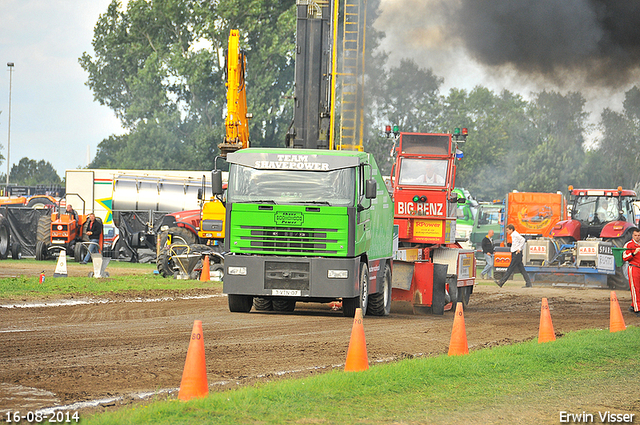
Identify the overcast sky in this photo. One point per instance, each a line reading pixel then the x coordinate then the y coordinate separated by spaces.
pixel 54 117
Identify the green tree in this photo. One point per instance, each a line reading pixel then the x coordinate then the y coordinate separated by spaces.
pixel 616 158
pixel 29 172
pixel 497 126
pixel 159 65
pixel 405 95
pixel 554 158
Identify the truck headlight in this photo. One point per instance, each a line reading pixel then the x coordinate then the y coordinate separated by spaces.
pixel 237 271
pixel 338 274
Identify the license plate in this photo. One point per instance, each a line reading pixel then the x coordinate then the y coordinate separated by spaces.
pixel 286 292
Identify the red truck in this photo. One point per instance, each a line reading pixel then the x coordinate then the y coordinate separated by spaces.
pixel 431 271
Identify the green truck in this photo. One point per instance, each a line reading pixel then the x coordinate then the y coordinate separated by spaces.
pixel 307 225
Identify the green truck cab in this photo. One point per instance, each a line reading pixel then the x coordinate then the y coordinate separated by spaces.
pixel 307 225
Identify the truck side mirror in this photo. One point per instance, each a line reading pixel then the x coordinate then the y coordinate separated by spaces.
pixel 199 194
pixel 371 189
pixel 216 182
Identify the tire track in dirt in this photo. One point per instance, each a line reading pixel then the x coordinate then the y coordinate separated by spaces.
pixel 88 352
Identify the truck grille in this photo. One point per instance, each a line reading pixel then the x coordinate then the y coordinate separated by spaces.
pixel 286 275
pixel 289 240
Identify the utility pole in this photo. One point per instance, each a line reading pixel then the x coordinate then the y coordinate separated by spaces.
pixel 10 65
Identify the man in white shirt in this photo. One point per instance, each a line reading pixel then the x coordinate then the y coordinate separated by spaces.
pixel 517 245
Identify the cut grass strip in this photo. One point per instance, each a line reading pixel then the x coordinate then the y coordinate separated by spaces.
pixel 29 287
pixel 523 383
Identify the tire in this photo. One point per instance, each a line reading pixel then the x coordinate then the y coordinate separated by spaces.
pixel 240 303
pixel 349 305
pixel 284 305
pixel 464 294
pixel 41 251
pixel 380 303
pixel 218 267
pixel 179 235
pixel 453 290
pixel 43 232
pixel 4 237
pixel 262 304
pixel 181 241
pixel 40 203
pixel 163 263
pixel 16 251
pixel 79 252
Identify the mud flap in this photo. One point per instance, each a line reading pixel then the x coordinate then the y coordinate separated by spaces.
pixel 439 281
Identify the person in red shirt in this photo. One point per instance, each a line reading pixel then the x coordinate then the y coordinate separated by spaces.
pixel 631 254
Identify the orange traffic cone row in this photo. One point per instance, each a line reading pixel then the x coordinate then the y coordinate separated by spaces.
pixel 357 359
pixel 194 377
pixel 616 322
pixel 458 344
pixel 205 276
pixel 546 333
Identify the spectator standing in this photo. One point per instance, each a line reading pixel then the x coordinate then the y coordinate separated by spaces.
pixel 94 231
pixel 487 250
pixel 631 254
pixel 517 245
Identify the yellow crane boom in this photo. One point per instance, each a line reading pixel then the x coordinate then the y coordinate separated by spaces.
pixel 237 120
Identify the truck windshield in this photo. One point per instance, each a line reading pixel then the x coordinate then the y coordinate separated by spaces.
pixel 335 187
pixel 423 172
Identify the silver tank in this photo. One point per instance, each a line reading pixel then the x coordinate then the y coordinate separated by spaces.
pixel 157 193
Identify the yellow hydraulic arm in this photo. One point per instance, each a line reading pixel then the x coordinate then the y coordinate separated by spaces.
pixel 237 121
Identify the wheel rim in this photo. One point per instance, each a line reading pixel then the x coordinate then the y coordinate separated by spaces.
pixel 4 240
pixel 364 285
pixel 387 292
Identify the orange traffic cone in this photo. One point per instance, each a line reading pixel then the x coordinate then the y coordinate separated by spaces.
pixel 616 322
pixel 546 333
pixel 458 344
pixel 194 377
pixel 205 276
pixel 357 359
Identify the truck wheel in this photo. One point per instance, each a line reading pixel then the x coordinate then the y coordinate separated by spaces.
pixel 380 303
pixel 218 268
pixel 349 305
pixel 454 294
pixel 41 251
pixel 464 294
pixel 284 305
pixel 79 252
pixel 4 237
pixel 16 251
pixel 43 233
pixel 240 303
pixel 262 304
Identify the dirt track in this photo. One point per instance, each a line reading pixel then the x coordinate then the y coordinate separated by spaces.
pixel 58 355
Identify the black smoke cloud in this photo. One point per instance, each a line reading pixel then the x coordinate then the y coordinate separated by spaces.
pixel 597 41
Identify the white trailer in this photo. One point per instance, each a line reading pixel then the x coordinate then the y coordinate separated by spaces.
pixel 102 191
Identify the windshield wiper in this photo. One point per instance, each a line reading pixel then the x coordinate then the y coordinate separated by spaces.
pixel 312 202
pixel 266 201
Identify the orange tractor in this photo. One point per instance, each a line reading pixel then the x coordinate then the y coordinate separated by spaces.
pixel 62 231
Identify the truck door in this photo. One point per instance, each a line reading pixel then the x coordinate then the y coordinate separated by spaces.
pixel 363 215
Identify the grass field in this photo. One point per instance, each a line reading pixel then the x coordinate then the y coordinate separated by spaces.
pixel 142 278
pixel 587 372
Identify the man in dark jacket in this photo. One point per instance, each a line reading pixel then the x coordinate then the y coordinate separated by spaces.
pixel 487 250
pixel 94 231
